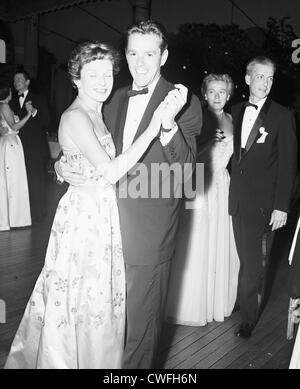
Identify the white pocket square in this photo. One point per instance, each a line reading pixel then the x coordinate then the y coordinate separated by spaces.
pixel 262 138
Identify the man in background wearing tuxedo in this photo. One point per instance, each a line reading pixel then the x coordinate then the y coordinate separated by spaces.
pixel 263 172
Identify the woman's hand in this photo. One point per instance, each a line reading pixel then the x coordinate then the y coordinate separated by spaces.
pixel 29 107
pixel 219 135
pixel 173 104
pixel 70 174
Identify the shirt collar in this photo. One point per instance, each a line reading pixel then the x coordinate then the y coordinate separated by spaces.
pixel 25 93
pixel 150 87
pixel 260 103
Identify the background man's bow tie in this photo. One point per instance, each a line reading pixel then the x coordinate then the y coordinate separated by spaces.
pixel 21 95
pixel 248 104
pixel 132 93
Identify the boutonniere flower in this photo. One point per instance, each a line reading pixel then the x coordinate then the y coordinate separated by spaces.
pixel 263 135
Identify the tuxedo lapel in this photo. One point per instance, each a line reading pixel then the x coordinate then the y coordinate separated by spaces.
pixel 28 98
pixel 121 115
pixel 238 134
pixel 257 124
pixel 158 95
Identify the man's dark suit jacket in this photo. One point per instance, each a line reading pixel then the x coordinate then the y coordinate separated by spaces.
pixel 263 176
pixel 148 225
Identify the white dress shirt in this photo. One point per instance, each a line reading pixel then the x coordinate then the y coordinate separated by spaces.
pixel 22 98
pixel 135 111
pixel 249 118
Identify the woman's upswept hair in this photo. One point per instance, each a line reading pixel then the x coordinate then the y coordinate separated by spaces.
pixel 4 91
pixel 90 51
pixel 217 77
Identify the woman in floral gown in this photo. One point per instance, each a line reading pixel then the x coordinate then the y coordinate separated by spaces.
pixel 204 274
pixel 75 317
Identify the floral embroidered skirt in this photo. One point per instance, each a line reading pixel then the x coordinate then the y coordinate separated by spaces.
pixel 75 318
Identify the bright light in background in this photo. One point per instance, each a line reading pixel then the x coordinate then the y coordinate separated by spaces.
pixel 2 51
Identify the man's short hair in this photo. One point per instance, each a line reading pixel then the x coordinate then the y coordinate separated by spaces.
pixel 24 72
pixel 262 60
pixel 146 27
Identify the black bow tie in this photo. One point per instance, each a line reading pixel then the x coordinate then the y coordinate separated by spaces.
pixel 132 92
pixel 248 104
pixel 21 95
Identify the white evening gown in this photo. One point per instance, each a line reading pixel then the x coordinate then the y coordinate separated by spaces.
pixel 204 273
pixel 75 318
pixel 295 359
pixel 14 197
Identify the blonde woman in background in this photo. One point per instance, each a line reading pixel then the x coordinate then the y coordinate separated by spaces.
pixel 204 275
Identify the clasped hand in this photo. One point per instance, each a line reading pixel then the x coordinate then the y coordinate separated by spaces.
pixel 172 105
pixel 29 108
pixel 69 174
pixel 219 135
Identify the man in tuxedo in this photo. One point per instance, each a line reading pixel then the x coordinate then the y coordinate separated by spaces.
pixel 148 225
pixel 262 178
pixel 33 137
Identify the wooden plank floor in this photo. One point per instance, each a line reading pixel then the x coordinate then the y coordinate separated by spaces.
pixel 213 346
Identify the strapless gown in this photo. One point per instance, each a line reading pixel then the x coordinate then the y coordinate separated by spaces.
pixel 75 318
pixel 14 196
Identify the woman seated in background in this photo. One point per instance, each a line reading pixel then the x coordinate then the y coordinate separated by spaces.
pixel 204 274
pixel 14 197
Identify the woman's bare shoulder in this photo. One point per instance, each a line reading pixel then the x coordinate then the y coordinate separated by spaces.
pixel 74 117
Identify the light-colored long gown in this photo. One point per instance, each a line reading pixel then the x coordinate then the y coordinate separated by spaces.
pixel 204 273
pixel 14 197
pixel 75 318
